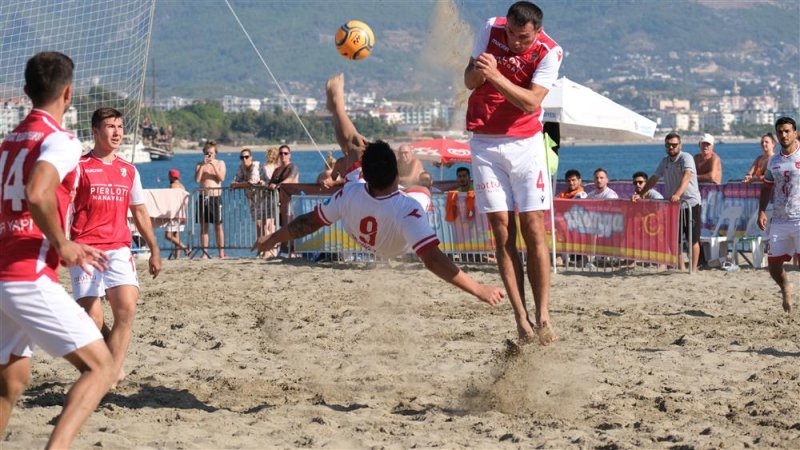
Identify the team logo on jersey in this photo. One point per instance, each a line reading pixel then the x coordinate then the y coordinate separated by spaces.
pixel 797 165
pixel 414 213
pixel 124 172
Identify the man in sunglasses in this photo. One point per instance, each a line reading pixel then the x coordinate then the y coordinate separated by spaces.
pixel 680 185
pixel 639 180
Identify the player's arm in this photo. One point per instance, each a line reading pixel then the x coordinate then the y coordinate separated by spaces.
pixel 40 194
pixel 527 99
pixel 297 228
pixel 764 198
pixel 141 218
pixel 441 266
pixel 473 78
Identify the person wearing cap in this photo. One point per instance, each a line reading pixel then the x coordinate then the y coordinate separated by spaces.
pixel 708 163
pixel 174 229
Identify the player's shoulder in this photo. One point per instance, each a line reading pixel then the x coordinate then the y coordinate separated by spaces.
pixel 120 162
pixel 63 140
pixel 546 41
pixel 496 22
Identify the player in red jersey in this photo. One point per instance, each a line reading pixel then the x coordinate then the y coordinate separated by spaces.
pixel 37 163
pixel 105 188
pixel 513 65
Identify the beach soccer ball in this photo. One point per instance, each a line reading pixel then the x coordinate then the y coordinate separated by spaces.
pixel 354 40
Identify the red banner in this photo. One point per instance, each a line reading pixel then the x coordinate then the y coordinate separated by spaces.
pixel 644 231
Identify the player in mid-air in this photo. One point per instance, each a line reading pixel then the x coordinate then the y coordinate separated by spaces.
pixel 106 187
pixel 37 170
pixel 383 219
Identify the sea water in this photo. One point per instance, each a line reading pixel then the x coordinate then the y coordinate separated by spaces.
pixel 620 161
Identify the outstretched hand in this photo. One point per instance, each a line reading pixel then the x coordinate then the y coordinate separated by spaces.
pixel 263 244
pixel 83 256
pixel 490 294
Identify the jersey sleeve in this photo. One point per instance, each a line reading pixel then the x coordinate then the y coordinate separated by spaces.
pixel 547 71
pixel 330 211
pixel 482 38
pixel 416 229
pixel 63 151
pixel 137 193
pixel 687 163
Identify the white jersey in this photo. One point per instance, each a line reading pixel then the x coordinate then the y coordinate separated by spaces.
pixel 605 194
pixel 387 225
pixel 784 173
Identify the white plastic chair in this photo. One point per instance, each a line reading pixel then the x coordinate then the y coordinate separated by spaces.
pixel 729 217
pixel 754 241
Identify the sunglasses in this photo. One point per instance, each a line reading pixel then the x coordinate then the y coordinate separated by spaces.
pixel 243 157
pixel 638 182
pixel 671 145
pixel 283 153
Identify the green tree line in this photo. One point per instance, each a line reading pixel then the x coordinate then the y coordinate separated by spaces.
pixel 208 121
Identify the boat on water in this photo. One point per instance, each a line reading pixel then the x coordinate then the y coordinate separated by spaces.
pixel 160 152
pixel 136 154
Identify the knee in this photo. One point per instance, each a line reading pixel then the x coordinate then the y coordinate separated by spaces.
pixel 12 387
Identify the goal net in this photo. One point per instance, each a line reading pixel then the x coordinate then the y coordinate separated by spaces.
pixel 108 41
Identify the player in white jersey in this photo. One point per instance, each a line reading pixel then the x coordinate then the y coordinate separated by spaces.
pixel 37 162
pixel 384 220
pixel 782 185
pixel 107 187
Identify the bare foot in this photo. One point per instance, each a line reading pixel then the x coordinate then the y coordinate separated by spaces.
pixel 546 334
pixel 120 377
pixel 334 89
pixel 787 297
pixel 525 333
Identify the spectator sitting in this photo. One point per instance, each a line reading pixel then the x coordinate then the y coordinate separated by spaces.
pixel 426 180
pixel 464 180
pixel 602 191
pixel 408 166
pixel 639 180
pixel 759 168
pixel 708 163
pixel 574 186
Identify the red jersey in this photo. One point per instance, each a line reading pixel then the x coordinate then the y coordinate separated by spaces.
pixel 104 191
pixel 25 253
pixel 488 111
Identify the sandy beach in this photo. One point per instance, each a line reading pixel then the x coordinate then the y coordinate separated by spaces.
pixel 250 354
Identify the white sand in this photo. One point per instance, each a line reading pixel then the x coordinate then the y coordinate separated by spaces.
pixel 247 354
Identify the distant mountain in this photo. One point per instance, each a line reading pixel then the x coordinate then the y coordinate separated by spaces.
pixel 199 50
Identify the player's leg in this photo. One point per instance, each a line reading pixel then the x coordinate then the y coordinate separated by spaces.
pixel 14 378
pixel 97 375
pixel 531 192
pixel 346 134
pixel 534 235
pixel 494 198
pixel 782 248
pixel 122 300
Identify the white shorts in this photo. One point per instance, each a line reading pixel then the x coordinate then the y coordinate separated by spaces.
pixel 41 313
pixel 121 272
pixel 784 239
pixel 510 173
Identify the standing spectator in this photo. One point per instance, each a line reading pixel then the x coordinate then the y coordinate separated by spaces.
pixel 175 226
pixel 783 172
pixel 40 157
pixel 759 168
pixel 325 177
pixel 100 219
pixel 248 177
pixel 574 186
pixel 286 172
pixel 271 162
pixel 707 162
pixel 639 180
pixel 464 180
pixel 408 166
pixel 210 173
pixel 601 189
pixel 512 67
pixel 680 184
